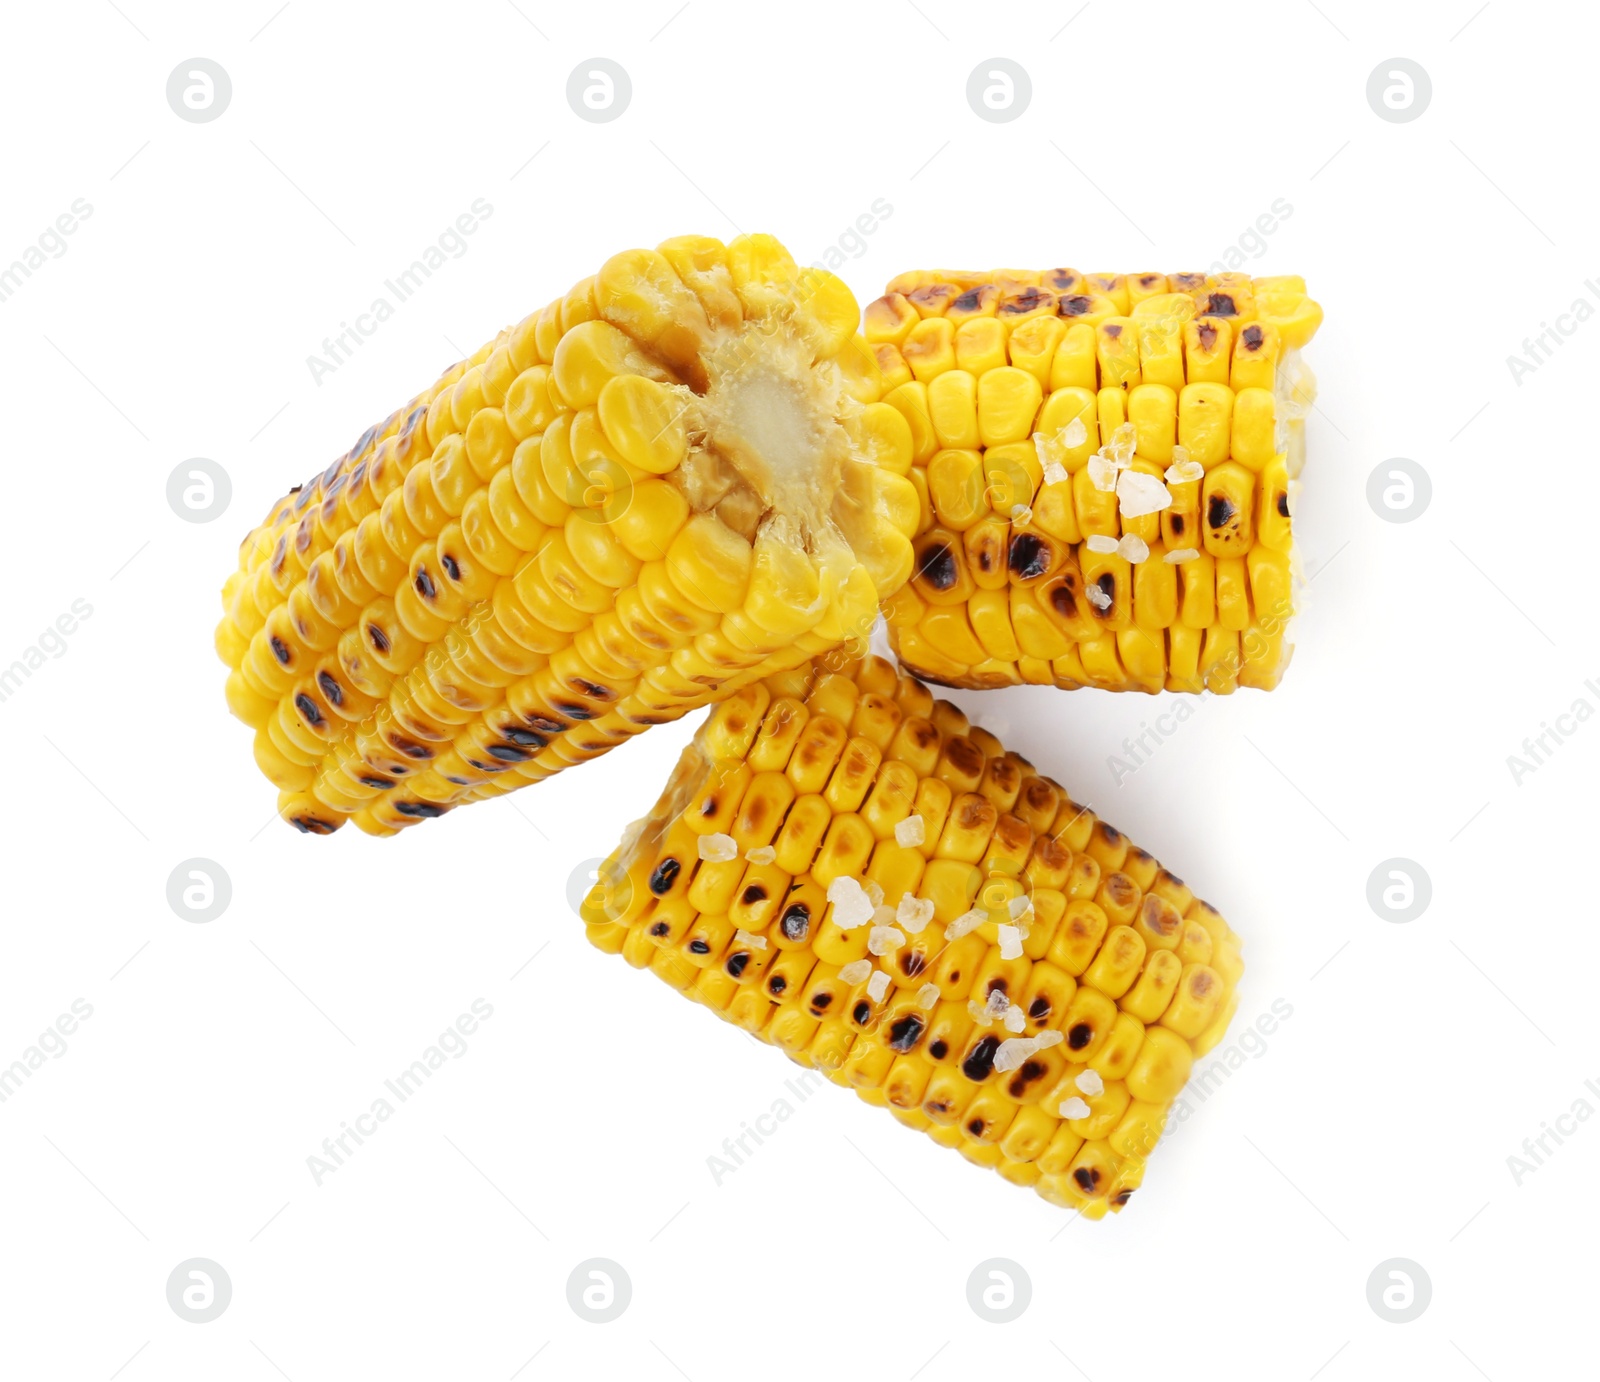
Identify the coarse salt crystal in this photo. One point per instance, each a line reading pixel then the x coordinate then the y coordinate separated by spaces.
pixel 1055 473
pixel 998 1002
pixel 743 937
pixel 1103 473
pixel 1074 1108
pixel 1133 549
pixel 882 940
pixel 1089 1082
pixel 1010 941
pixel 910 832
pixel 1015 1019
pixel 877 986
pixel 875 892
pixel 851 905
pixel 978 1013
pixel 914 913
pixel 1074 433
pixel 1181 554
pixel 1139 494
pixel 1182 472
pixel 763 856
pixel 1099 542
pixel 1050 1038
pixel 1124 441
pixel 1020 906
pixel 1021 515
pixel 718 849
pixel 927 996
pixel 965 923
pixel 855 971
pixel 1097 597
pixel 1010 1054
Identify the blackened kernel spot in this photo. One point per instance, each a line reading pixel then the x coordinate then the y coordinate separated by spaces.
pixel 411 749
pixel 1220 510
pixel 459 781
pixel 862 1013
pixel 1075 305
pixel 526 737
pixel 509 753
pixel 424 584
pixel 308 710
pixel 1148 280
pixel 820 1001
pixel 1112 330
pixel 1029 557
pixel 969 301
pixel 1087 1177
pixel 575 710
pixel 796 923
pixel 1121 1197
pixel 543 724
pixel 313 825
pixel 424 810
pixel 1107 586
pixel 452 568
pixel 1208 336
pixel 1028 300
pixel 1080 1036
pixel 937 566
pixel 776 984
pixel 593 688
pixel 373 780
pixel 997 985
pixel 1177 523
pixel 330 688
pixel 710 806
pixel 378 638
pixel 1039 1009
pixel 753 894
pixel 1283 504
pixel 664 873
pixel 698 947
pixel 912 963
pixel 938 1049
pixel 660 929
pixel 979 1064
pixel 1253 337
pixel 1110 833
pixel 905 1032
pixel 976 1126
pixel 1030 1071
pixel 1221 305
pixel 1062 602
pixel 736 964
pixel 280 650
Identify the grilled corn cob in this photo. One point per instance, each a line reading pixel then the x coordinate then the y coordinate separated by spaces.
pixel 674 480
pixel 844 867
pixel 1107 467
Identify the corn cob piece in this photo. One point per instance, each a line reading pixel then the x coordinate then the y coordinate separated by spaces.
pixel 674 480
pixel 847 869
pixel 1107 466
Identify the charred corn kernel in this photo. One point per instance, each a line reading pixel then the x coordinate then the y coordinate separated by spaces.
pixel 1172 377
pixel 673 482
pixel 967 981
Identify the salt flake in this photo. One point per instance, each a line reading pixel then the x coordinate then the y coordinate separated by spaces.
pixel 718 849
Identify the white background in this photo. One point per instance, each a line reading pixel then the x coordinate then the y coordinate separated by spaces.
pixel 1378 1120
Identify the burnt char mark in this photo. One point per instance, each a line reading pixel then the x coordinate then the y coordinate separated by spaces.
pixel 1079 1036
pixel 1027 1073
pixel 509 753
pixel 543 724
pixel 937 566
pixel 1039 1009
pixel 1029 557
pixel 1107 586
pixel 1112 329
pixel 423 810
pixel 861 1014
pixel 280 650
pixel 1208 335
pixel 576 710
pixel 662 876
pixel 526 737
pixel 661 928
pixel 969 301
pixel 378 638
pixel 905 1032
pixel 1110 833
pixel 796 921
pixel 313 825
pixel 452 568
pixel 979 1064
pixel 1062 602
pixel 1087 1178
pixel 330 688
pixel 1121 1198
pixel 938 1050
pixel 1283 504
pixel 975 1126
pixel 753 894
pixel 1220 305
pixel 699 947
pixel 424 584
pixel 736 964
pixel 776 984
pixel 593 689
pixel 308 710
pixel 373 780
pixel 912 963
pixel 1220 511
pixel 820 1002
pixel 1075 305
pixel 1253 337
pixel 410 748
pixel 1028 300
pixel 1176 519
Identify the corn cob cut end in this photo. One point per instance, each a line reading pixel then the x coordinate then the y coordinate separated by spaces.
pixel 1107 466
pixel 674 480
pixel 846 869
